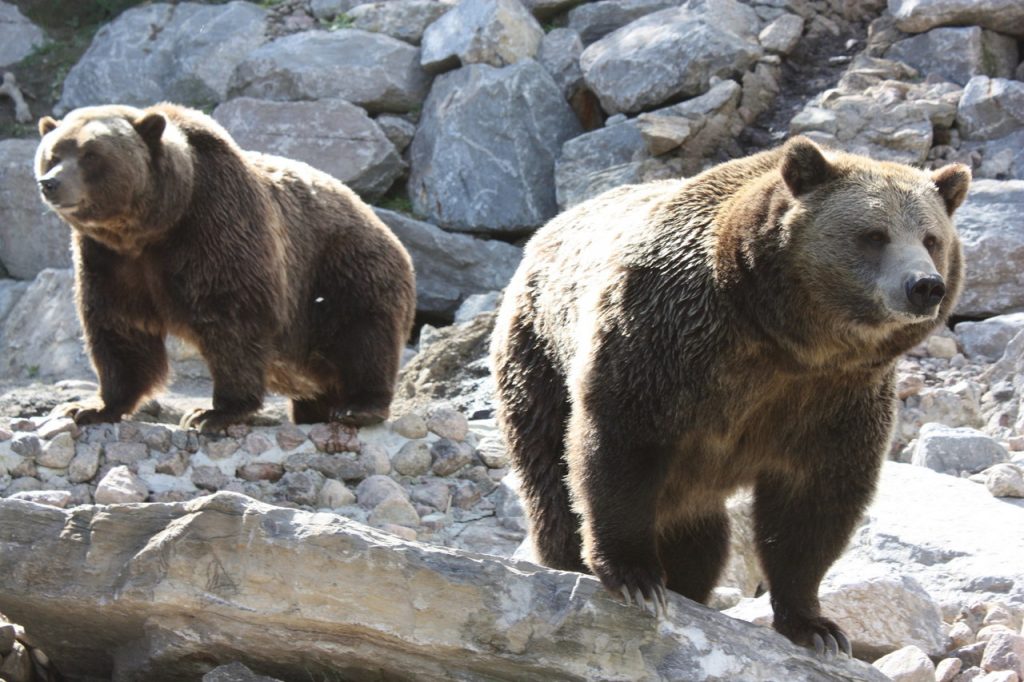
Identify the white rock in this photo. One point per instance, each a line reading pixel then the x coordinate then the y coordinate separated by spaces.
pixel 119 486
pixel 85 463
pixel 58 452
pixel 908 664
pixel 941 347
pixel 495 32
pixel 1004 480
pixel 1005 651
pixel 51 498
pixel 782 34
pixel 375 489
pixel 394 510
pixel 947 669
pixel 447 422
pixel 413 459
pixel 987 339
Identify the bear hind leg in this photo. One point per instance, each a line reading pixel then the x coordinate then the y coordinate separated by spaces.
pixel 533 411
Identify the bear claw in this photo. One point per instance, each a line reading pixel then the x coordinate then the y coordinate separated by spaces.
pixel 210 421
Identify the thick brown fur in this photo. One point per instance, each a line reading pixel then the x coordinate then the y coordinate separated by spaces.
pixel 279 274
pixel 663 344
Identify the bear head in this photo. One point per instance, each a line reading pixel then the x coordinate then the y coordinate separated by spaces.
pixel 106 171
pixel 873 243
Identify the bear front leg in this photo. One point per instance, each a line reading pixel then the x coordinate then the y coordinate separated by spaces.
pixel 129 364
pixel 615 481
pixel 803 521
pixel 238 368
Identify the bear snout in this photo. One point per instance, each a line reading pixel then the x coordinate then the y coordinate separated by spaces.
pixel 924 292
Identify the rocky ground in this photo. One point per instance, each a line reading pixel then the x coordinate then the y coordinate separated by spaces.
pixel 442 102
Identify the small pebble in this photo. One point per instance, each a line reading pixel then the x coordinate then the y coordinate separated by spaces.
pixel 447 422
pixel 410 426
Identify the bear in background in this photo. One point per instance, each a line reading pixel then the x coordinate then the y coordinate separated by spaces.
pixel 279 274
pixel 663 344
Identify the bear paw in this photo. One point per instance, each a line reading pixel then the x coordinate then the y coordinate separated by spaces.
pixel 211 421
pixel 88 413
pixel 645 586
pixel 355 416
pixel 827 638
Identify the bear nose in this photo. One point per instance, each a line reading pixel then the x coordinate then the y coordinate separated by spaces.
pixel 925 292
pixel 49 185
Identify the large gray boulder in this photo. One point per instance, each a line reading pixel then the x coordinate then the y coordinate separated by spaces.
pixel 484 153
pixel 955 450
pixel 560 54
pixel 41 336
pixel 32 237
pixel 18 35
pixel 1001 158
pixel 990 108
pixel 371 70
pixel 183 52
pixel 595 20
pixel 330 135
pixel 167 591
pixel 958 54
pixel 991 226
pixel 671 54
pixel 451 267
pixel 599 160
pixel 915 16
pixel 987 339
pixel 402 19
pixel 495 32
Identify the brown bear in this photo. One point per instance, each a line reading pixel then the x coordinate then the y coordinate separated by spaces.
pixel 279 274
pixel 663 344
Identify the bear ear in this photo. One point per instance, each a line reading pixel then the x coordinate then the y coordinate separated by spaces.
pixel 804 167
pixel 46 124
pixel 953 181
pixel 150 127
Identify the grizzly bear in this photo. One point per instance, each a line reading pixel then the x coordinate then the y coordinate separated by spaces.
pixel 663 344
pixel 279 274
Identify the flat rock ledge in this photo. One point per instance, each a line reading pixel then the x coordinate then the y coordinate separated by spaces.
pixel 169 591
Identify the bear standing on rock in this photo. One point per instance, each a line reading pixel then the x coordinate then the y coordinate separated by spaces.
pixel 663 344
pixel 279 274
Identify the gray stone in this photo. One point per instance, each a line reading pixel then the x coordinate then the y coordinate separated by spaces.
pixel 433 493
pixel 120 486
pixel 32 237
pixel 544 9
pixel 380 72
pixel 26 445
pixel 990 108
pixel 125 453
pixel 51 498
pixel 235 672
pixel 375 489
pixel 991 227
pixel 700 125
pixel 952 450
pixel 41 336
pixel 595 20
pixel 449 456
pixel 1001 158
pixel 394 510
pixel 329 9
pixel 410 425
pixel 493 453
pixel 10 292
pixel 397 129
pixel 447 422
pixel 702 39
pixel 402 19
pixel 483 156
pixel 878 116
pixel 58 452
pixel 958 54
pixel 85 463
pixel 212 569
pixel 495 32
pixel 454 368
pixel 183 52
pixel 209 477
pixel 333 136
pixel 477 304
pixel 412 459
pixel 335 494
pixel 560 52
pixel 374 459
pixel 290 437
pixel 451 267
pixel 987 339
pixel 782 34
pixel 915 16
pixel 18 36
pixel 301 487
pixel 582 167
pixel 908 664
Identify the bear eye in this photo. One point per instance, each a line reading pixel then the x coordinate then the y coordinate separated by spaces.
pixel 89 155
pixel 930 242
pixel 876 237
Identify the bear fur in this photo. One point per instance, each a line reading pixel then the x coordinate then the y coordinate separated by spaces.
pixel 663 344
pixel 279 274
